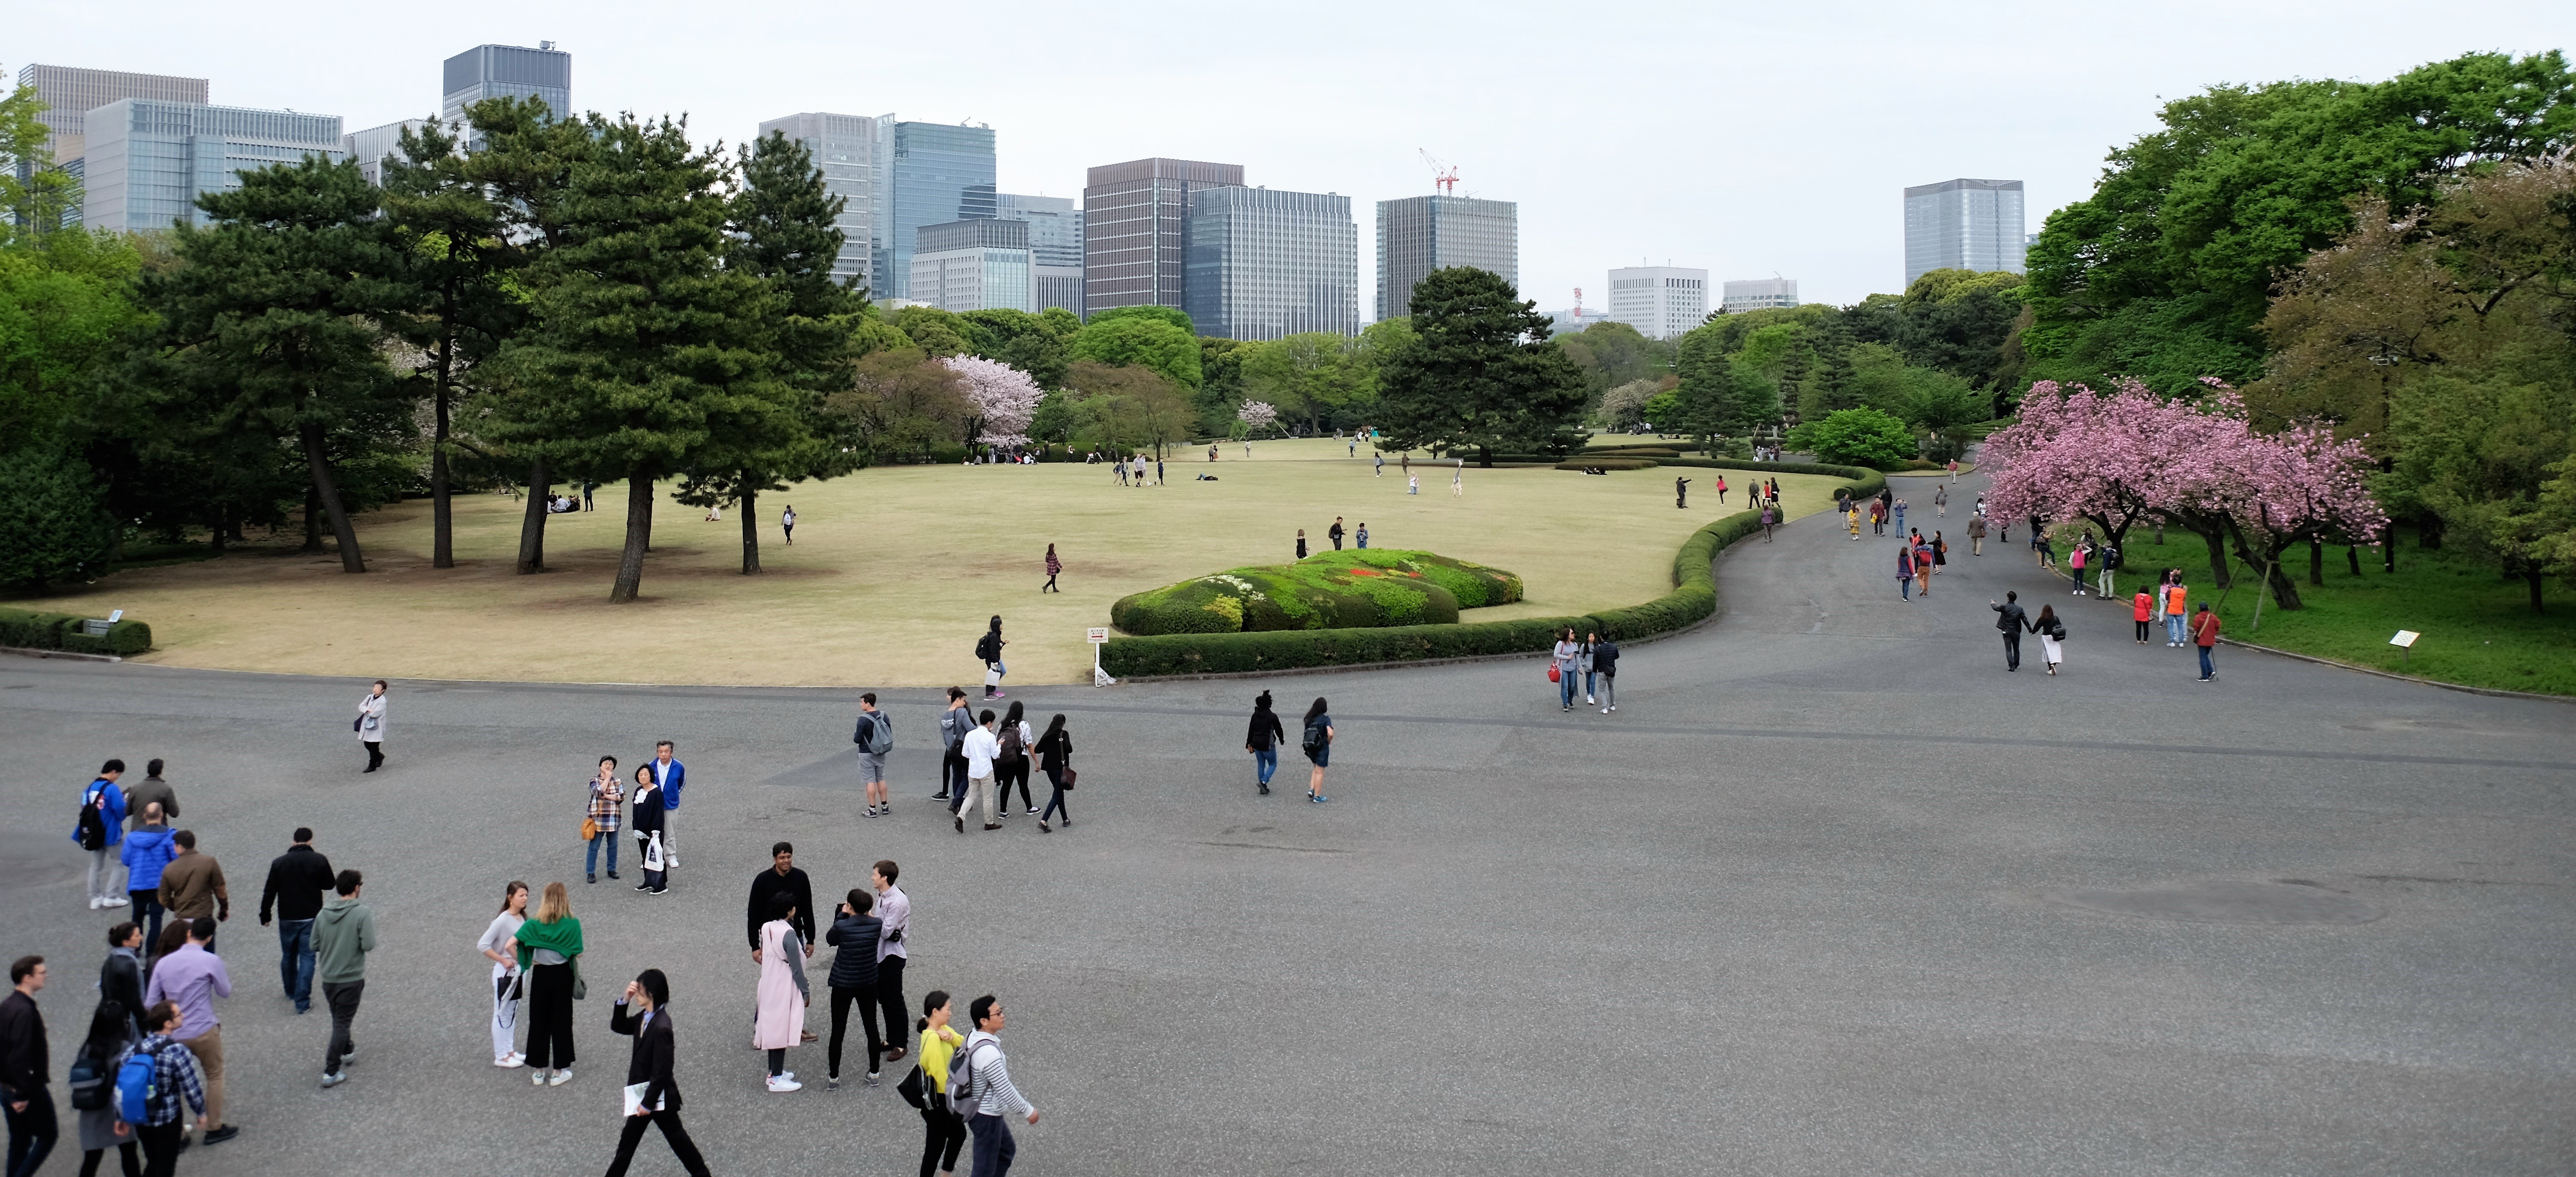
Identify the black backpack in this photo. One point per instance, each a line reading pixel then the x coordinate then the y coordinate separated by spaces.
pixel 93 1081
pixel 1012 753
pixel 988 647
pixel 1313 738
pixel 92 822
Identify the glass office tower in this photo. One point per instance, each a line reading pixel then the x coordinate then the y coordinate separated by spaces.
pixel 147 161
pixel 1133 220
pixel 844 149
pixel 1419 234
pixel 507 71
pixel 373 146
pixel 1055 247
pixel 1963 225
pixel 973 265
pixel 1262 264
pixel 69 94
pixel 926 174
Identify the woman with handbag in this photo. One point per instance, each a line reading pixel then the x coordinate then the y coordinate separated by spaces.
pixel 549 952
pixel 506 977
pixel 1562 671
pixel 1055 758
pixel 370 725
pixel 2052 636
pixel 927 1087
pixel 600 821
pixel 648 831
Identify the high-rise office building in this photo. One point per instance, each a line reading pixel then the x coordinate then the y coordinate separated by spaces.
pixel 975 265
pixel 1757 293
pixel 1419 234
pixel 1659 301
pixel 926 174
pixel 1135 217
pixel 1262 264
pixel 844 147
pixel 507 71
pixel 1055 246
pixel 373 146
pixel 70 93
pixel 1963 225
pixel 147 161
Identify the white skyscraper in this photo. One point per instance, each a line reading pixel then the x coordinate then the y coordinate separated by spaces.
pixel 844 149
pixel 1659 301
pixel 1963 225
pixel 1758 293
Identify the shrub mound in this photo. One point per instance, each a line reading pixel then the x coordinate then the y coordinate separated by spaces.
pixel 1331 590
pixel 29 630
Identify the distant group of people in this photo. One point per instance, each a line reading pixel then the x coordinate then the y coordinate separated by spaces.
pixel 1592 660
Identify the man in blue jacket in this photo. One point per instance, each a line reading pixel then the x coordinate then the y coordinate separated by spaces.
pixel 99 828
pixel 670 774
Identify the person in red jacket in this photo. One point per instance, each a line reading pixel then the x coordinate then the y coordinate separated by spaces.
pixel 2204 633
pixel 2140 608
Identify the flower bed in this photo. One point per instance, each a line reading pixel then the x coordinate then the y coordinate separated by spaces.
pixel 1331 590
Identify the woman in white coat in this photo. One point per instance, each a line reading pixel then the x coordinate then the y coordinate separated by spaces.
pixel 371 725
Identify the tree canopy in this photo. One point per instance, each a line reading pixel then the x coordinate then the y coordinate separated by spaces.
pixel 1480 372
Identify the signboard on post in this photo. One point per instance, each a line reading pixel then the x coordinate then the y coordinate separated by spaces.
pixel 1099 636
pixel 2405 643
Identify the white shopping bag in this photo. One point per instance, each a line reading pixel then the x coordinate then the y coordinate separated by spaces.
pixel 653 861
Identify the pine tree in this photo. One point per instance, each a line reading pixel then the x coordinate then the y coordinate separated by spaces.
pixel 1479 373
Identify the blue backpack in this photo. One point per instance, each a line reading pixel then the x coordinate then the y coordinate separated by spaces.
pixel 135 1079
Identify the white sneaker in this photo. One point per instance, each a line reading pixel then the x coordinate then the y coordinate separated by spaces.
pixel 781 1085
pixel 559 1078
pixel 1589 700
pixel 114 901
pixel 509 1060
pixel 96 902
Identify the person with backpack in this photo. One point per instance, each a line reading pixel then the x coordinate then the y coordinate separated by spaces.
pixel 370 725
pixel 853 936
pixel 1317 743
pixel 1262 739
pixel 294 895
pixel 649 1067
pixel 93 1090
pixel 944 1133
pixel 1055 759
pixel 1605 658
pixel 980 1088
pixel 98 827
pixel 1011 764
pixel 2052 637
pixel 25 1069
pixel 980 748
pixel 157 1089
pixel 343 935
pixel 874 735
pixel 120 976
pixel 988 649
pixel 954 723
pixel 146 853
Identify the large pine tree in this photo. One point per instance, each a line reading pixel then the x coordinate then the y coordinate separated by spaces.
pixel 1480 372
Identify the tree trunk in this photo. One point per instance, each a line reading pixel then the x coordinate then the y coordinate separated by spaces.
pixel 2316 561
pixel 639 531
pixel 2352 556
pixel 750 527
pixel 323 489
pixel 2428 533
pixel 1485 457
pixel 442 518
pixel 532 522
pixel 2285 590
pixel 2534 577
pixel 215 535
pixel 312 519
pixel 2217 558
pixel 2388 546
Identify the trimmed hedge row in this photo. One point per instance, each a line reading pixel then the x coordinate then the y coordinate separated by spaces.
pixel 1331 590
pixel 29 630
pixel 1612 462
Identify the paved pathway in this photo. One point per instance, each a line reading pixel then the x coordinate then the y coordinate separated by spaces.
pixel 1799 907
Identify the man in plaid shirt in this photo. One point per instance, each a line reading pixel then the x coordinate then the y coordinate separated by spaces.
pixel 174 1084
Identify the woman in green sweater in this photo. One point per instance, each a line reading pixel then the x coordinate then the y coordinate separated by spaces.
pixel 549 952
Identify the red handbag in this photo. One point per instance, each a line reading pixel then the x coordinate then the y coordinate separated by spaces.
pixel 1552 673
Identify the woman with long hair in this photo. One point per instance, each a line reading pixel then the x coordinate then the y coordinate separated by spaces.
pixel 174 936
pixel 601 818
pixel 548 948
pixel 505 972
pixel 1016 738
pixel 1262 739
pixel 644 1011
pixel 2052 636
pixel 1569 656
pixel 111 1033
pixel 1054 568
pixel 944 1133
pixel 1055 758
pixel 779 1018
pixel 1318 742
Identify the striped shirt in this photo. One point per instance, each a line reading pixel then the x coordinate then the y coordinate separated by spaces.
pixel 990 1074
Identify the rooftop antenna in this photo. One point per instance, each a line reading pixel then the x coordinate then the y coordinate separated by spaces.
pixel 1444 176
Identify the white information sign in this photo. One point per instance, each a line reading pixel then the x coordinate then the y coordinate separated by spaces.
pixel 2405 637
pixel 1099 634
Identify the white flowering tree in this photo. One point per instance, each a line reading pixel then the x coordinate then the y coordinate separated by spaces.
pixel 1257 417
pixel 1002 399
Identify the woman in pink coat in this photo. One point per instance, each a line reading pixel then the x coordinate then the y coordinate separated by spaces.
pixel 783 993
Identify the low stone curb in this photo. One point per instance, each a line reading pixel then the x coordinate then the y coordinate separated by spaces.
pixel 75 655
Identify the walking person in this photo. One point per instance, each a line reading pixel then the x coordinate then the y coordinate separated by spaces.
pixel 982 746
pixel 1770 519
pixel 2047 551
pixel 1681 493
pixel 192 887
pixel 151 790
pixel 2175 596
pixel 1011 764
pixel 1977 535
pixel 874 735
pixel 506 977
pixel 894 950
pixel 988 1084
pixel 1941 501
pixel 1301 543
pixel 99 828
pixel 1054 568
pixel 1317 742
pixel 2011 621
pixel 2141 608
pixel 548 950
pixel 1905 572
pixel 192 978
pixel 601 817
pixel 111 1036
pixel 1413 484
pixel 1561 667
pixel 944 1132
pixel 1055 759
pixel 787 524
pixel 148 851
pixel 297 881
pixel 26 1070
pixel 120 976
pixel 1334 533
pixel 853 978
pixel 643 1012
pixel 1605 656
pixel 175 1093
pixel 2204 634
pixel 1922 564
pixel 1940 552
pixel 370 725
pixel 1458 480
pixel 1381 463
pixel 651 853
pixel 1362 536
pixel 1262 739
pixel 783 992
pixel 672 776
pixel 2052 636
pixel 343 936
pixel 1583 660
pixel 989 649
pixel 1721 490
pixel 954 723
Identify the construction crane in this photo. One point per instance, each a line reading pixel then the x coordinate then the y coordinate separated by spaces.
pixel 1444 176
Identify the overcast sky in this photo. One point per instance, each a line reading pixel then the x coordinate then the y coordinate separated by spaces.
pixel 1747 140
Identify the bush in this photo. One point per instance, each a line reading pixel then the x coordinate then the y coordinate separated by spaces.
pixel 1865 437
pixel 1332 590
pixel 121 639
pixel 27 629
pixel 52 527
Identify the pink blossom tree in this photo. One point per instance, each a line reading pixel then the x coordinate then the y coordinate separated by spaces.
pixel 1257 416
pixel 2081 454
pixel 1001 399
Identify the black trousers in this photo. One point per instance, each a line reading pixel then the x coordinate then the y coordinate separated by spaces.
pixel 2012 649
pixel 2142 629
pixel 890 999
pixel 549 1014
pixel 375 753
pixel 128 1157
pixel 342 997
pixel 161 1146
pixel 32 1132
pixel 1055 804
pixel 842 997
pixel 681 1146
pixel 952 769
pixel 1016 774
pixel 943 1134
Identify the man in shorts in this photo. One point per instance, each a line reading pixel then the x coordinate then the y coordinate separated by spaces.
pixel 874 737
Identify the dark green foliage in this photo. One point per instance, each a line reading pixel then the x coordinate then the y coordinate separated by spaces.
pixel 1480 372
pixel 51 525
pixel 1857 436
pixel 1331 590
pixel 123 639
pixel 940 333
pixel 1174 316
pixel 1612 462
pixel 25 629
pixel 1122 340
pixel 1040 345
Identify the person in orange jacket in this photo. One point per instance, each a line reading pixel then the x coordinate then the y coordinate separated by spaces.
pixel 2139 607
pixel 2175 615
pixel 2204 633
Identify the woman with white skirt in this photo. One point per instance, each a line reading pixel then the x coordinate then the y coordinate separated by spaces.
pixel 505 973
pixel 2052 636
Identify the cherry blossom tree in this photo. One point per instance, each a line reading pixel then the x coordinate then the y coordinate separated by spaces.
pixel 2081 454
pixel 1257 416
pixel 1002 398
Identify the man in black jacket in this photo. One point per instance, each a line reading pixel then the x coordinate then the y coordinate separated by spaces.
pixel 1605 661
pixel 782 878
pixel 297 881
pixel 854 935
pixel 24 1067
pixel 2011 621
pixel 650 1064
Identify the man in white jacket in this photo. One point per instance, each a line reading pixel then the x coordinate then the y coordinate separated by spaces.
pixel 981 747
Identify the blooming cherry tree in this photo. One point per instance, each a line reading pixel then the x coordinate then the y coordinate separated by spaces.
pixel 1257 416
pixel 1004 399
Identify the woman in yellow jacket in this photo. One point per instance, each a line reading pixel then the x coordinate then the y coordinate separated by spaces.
pixel 946 1133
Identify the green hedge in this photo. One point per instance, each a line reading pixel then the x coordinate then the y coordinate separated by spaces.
pixel 29 630
pixel 1607 463
pixel 1331 590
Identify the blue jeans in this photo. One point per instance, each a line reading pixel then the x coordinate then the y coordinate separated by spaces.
pixel 590 856
pixel 295 961
pixel 1565 685
pixel 2206 670
pixel 994 1147
pixel 2173 627
pixel 1265 761
pixel 1905 588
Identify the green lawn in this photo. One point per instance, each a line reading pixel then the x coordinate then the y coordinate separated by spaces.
pixel 2478 628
